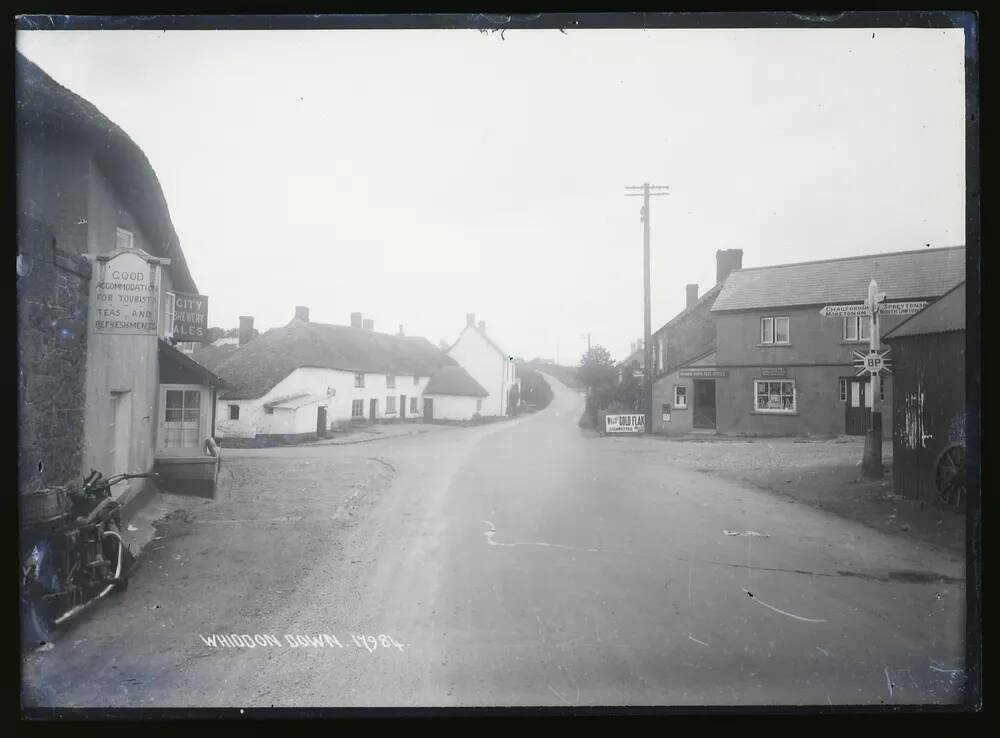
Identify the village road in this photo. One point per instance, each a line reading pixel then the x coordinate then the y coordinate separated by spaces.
pixel 522 563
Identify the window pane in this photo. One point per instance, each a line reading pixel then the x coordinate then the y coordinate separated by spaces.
pixel 767 330
pixel 192 398
pixel 850 329
pixel 863 329
pixel 781 330
pixel 173 415
pixel 175 398
pixel 191 415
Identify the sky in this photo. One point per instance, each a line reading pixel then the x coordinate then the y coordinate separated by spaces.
pixel 419 175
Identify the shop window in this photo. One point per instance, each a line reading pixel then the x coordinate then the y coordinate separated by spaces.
pixel 774 330
pixel 774 397
pixel 680 396
pixel 182 418
pixel 234 412
pixel 358 409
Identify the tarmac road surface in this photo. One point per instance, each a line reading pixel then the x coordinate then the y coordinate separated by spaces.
pixel 521 563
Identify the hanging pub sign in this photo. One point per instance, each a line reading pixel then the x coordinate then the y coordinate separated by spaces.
pixel 127 294
pixel 704 373
pixel 625 423
pixel 190 317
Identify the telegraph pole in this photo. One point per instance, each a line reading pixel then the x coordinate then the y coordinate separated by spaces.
pixel 648 191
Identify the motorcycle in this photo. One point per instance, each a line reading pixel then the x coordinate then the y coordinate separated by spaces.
pixel 72 553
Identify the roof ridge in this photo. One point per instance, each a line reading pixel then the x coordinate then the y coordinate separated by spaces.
pixel 851 258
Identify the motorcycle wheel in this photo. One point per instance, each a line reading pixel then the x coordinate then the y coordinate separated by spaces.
pixel 111 545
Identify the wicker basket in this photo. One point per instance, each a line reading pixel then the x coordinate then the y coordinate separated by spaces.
pixel 44 506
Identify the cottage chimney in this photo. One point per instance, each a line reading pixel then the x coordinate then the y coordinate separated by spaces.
pixel 355 320
pixel 692 295
pixel 401 330
pixel 302 313
pixel 727 261
pixel 470 319
pixel 246 329
pixel 368 324
pixel 482 326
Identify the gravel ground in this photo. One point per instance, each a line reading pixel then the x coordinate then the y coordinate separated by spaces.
pixel 824 473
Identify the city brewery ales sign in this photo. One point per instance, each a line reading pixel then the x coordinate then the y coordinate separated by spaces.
pixel 127 299
pixel 190 317
pixel 624 423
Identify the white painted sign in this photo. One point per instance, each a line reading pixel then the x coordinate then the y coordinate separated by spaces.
pixel 127 297
pixel 901 308
pixel 625 423
pixel 861 308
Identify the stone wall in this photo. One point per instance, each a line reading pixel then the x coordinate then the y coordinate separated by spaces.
pixel 53 293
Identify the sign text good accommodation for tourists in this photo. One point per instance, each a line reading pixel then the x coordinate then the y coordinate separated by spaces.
pixel 704 373
pixel 127 296
pixel 190 317
pixel 625 423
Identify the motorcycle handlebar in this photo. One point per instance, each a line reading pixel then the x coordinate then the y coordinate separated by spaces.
pixel 100 481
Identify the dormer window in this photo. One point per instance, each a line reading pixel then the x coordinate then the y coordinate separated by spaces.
pixel 123 239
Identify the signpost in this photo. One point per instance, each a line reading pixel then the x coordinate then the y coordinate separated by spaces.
pixel 635 423
pixel 875 362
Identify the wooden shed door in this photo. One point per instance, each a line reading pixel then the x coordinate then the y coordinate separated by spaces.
pixel 321 420
pixel 859 407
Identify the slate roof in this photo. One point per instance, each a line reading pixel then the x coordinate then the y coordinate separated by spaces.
pixel 46 108
pixel 944 315
pixel 910 275
pixel 679 318
pixel 186 362
pixel 454 380
pixel 252 370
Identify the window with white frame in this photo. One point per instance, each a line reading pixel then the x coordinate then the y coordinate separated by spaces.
pixel 774 396
pixel 413 406
pixel 358 409
pixel 123 239
pixel 390 405
pixel 774 329
pixel 234 412
pixel 680 395
pixel 857 328
pixel 359 379
pixel 168 323
pixel 390 382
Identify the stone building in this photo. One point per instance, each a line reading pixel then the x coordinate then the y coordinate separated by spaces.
pixel 90 390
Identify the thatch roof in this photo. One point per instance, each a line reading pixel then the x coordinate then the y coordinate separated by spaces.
pixel 211 356
pixel 454 380
pixel 254 369
pixel 45 108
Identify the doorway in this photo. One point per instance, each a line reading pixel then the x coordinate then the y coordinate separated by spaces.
pixel 858 407
pixel 372 409
pixel 402 407
pixel 121 431
pixel 321 421
pixel 428 409
pixel 704 404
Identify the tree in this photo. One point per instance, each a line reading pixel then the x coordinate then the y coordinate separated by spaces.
pixel 597 369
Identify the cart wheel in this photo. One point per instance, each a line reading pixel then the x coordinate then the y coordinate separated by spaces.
pixel 949 476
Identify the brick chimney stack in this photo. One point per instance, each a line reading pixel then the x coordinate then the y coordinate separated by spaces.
pixel 726 261
pixel 368 324
pixel 246 329
pixel 355 320
pixel 401 330
pixel 692 296
pixel 302 313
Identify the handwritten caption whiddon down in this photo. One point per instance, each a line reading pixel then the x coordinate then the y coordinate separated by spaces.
pixel 370 643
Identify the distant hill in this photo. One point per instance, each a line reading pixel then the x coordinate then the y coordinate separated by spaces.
pixel 565 374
